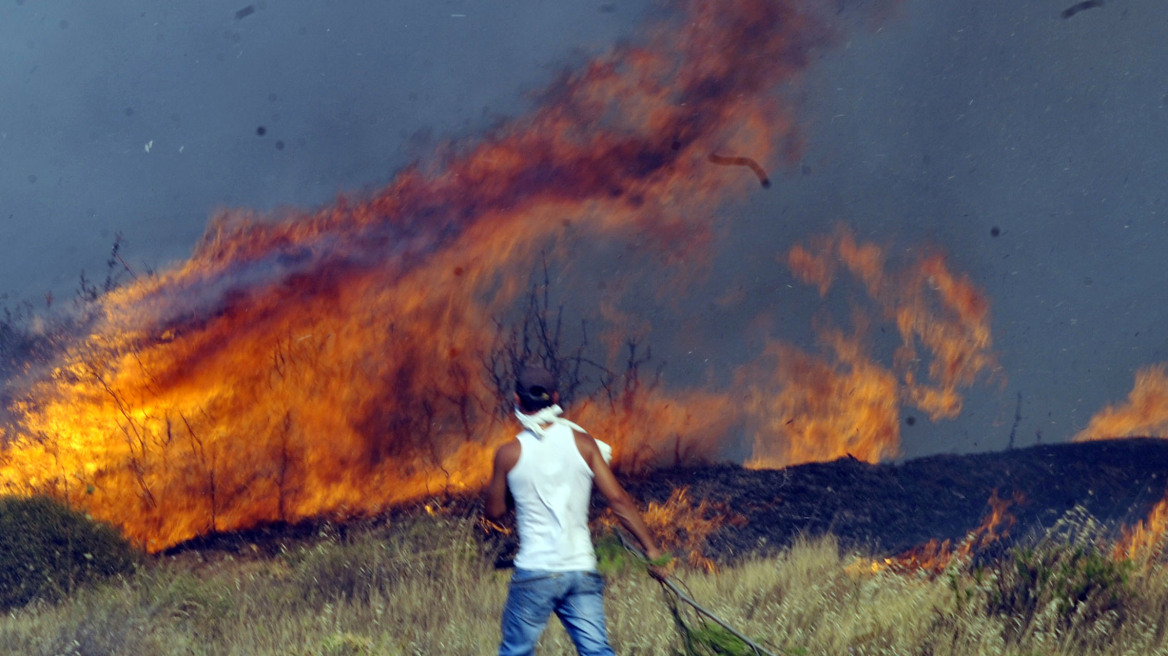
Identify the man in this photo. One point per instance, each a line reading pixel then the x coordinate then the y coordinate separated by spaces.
pixel 549 469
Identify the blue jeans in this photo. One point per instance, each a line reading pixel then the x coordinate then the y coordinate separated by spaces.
pixel 575 597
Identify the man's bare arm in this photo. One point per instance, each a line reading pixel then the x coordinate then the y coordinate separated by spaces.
pixel 495 504
pixel 619 500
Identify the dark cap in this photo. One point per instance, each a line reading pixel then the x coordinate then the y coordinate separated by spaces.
pixel 535 387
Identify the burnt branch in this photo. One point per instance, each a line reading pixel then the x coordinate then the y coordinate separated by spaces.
pixel 537 337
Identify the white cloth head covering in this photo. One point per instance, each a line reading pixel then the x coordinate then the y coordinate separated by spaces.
pixel 537 422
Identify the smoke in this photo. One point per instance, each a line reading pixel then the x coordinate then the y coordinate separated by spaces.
pixel 330 362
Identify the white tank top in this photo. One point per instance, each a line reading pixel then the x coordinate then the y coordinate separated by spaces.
pixel 552 486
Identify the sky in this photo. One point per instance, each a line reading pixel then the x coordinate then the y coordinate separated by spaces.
pixel 1028 147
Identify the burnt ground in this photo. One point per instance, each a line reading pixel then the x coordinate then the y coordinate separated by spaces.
pixel 882 509
pixel 889 508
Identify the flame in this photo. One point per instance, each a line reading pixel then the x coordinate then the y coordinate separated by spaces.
pixel 810 407
pixel 1145 414
pixel 682 525
pixel 824 410
pixel 647 427
pixel 1144 540
pixel 325 363
pixel 936 555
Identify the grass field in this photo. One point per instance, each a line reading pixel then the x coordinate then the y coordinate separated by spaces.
pixel 428 586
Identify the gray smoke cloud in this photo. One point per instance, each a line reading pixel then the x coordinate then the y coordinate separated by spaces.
pixel 1027 145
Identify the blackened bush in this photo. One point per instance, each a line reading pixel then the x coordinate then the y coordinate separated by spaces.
pixel 47 550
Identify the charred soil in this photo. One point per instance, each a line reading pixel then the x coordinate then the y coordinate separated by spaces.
pixel 887 509
pixel 881 509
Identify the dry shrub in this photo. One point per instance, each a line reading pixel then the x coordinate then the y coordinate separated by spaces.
pixel 682 525
pixel 1065 584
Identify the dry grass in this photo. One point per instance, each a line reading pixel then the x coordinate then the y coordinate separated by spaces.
pixel 427 586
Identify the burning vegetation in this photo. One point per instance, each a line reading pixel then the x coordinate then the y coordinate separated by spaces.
pixel 1145 413
pixel 936 555
pixel 926 514
pixel 683 525
pixel 330 363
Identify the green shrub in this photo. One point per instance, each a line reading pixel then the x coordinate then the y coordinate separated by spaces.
pixel 708 638
pixel 1061 587
pixel 47 550
pixel 612 559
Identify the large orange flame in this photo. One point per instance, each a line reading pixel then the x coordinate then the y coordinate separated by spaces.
pixel 809 407
pixel 327 363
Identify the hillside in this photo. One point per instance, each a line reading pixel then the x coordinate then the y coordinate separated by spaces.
pixel 889 508
pixel 883 509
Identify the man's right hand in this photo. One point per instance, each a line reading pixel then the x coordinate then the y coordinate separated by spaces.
pixel 621 503
pixel 659 564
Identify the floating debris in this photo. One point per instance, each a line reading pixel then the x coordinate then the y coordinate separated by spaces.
pixel 1082 6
